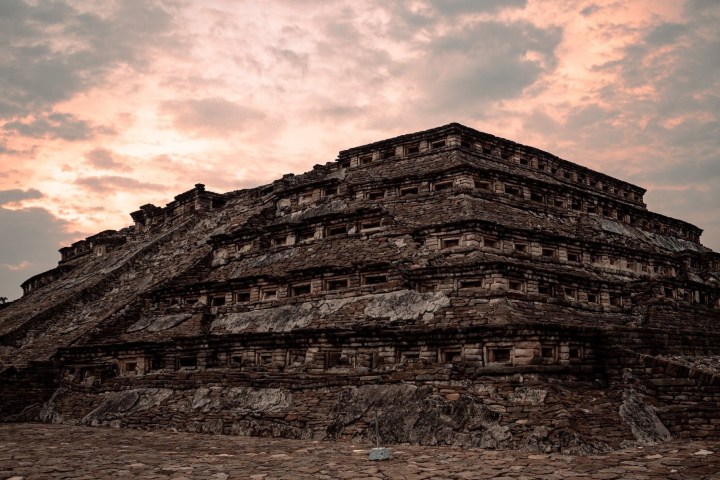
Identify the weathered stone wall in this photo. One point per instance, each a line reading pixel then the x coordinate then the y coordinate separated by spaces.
pixel 536 411
pixel 503 411
pixel 24 391
pixel 429 389
pixel 688 399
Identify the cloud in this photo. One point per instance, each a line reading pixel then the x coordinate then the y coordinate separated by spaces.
pixel 29 243
pixel 587 116
pixel 103 159
pixel 426 16
pixel 298 61
pixel 666 33
pixel 401 65
pixel 53 50
pixel 589 10
pixel 186 175
pixel 16 195
pixel 484 62
pixel 109 184
pixel 27 152
pixel 64 126
pixel 17 267
pixel 700 7
pixel 664 98
pixel 465 7
pixel 4 149
pixel 211 116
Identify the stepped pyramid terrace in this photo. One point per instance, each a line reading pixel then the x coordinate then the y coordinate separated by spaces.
pixel 465 289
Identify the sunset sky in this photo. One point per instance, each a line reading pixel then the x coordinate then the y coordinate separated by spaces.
pixel 105 106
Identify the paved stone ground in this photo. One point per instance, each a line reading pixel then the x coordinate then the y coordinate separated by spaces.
pixel 33 451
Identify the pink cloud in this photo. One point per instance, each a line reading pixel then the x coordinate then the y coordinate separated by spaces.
pixel 103 159
pixel 211 116
pixel 108 184
pixel 17 267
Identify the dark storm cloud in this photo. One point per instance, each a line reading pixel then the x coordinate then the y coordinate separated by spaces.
pixel 30 240
pixel 113 183
pixel 64 126
pixel 52 50
pixel 211 116
pixel 16 195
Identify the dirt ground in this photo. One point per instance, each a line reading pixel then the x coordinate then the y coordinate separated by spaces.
pixel 38 451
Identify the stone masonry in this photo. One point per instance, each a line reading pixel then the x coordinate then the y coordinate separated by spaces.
pixel 464 289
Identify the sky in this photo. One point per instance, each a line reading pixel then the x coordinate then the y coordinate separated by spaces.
pixel 106 106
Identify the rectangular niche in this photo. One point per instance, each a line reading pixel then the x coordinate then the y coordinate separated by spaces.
pixel 451 355
pixel 516 285
pixel 300 289
pixel 471 283
pixel 404 192
pixel 335 284
pixel 449 242
pixel 336 230
pixel 332 358
pixel 440 186
pixel 374 279
pixel 187 362
pixel 410 356
pixel 242 296
pixel 549 353
pixel 412 149
pixel 268 294
pixel 501 354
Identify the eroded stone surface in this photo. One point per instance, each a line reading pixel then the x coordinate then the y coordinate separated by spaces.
pixel 644 422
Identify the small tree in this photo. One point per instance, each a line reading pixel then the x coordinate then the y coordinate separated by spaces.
pixel 3 300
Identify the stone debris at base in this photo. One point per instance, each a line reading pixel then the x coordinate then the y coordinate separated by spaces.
pixel 379 453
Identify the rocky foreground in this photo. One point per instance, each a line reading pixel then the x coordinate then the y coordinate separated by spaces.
pixel 38 451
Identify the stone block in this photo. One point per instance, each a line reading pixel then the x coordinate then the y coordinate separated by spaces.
pixel 379 454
